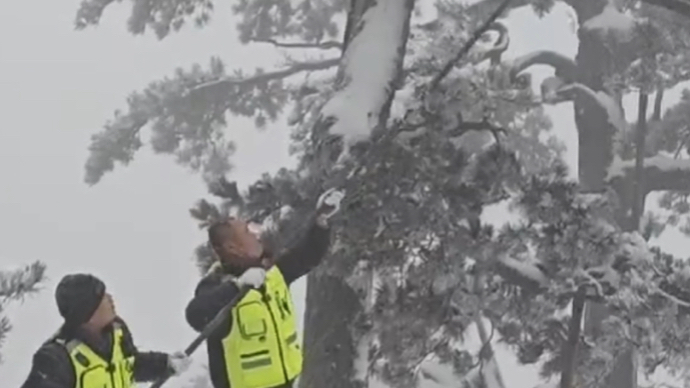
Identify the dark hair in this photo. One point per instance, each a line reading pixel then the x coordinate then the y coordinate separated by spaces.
pixel 216 230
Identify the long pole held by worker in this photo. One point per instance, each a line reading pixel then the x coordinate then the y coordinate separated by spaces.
pixel 222 315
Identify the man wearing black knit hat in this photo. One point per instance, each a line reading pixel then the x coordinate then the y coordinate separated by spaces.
pixel 94 348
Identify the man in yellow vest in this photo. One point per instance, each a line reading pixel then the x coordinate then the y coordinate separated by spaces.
pixel 258 346
pixel 94 348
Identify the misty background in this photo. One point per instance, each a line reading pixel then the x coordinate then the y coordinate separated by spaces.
pixel 58 86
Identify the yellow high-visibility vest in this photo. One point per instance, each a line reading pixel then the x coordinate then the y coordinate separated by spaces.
pixel 263 349
pixel 92 371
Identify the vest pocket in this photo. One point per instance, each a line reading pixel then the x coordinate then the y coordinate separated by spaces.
pixel 293 355
pixel 96 376
pixel 251 321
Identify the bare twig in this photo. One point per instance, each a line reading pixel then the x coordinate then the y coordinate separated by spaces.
pixel 683 141
pixel 470 43
pixel 15 284
pixel 659 291
pixel 296 68
pixel 321 46
pixel 467 126
pixel 565 68
pixel 443 341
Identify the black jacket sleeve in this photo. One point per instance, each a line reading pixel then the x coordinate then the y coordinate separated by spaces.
pixel 306 254
pixel 210 296
pixel 50 368
pixel 148 366
pixel 212 293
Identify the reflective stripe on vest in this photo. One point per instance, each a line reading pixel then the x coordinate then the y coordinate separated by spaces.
pixel 262 349
pixel 92 371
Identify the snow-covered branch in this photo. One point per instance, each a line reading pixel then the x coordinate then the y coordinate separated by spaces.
pixel 124 130
pixel 556 90
pixel 262 77
pixel 564 67
pixel 371 67
pixel 15 284
pixel 660 172
pixel 521 273
pixel 322 46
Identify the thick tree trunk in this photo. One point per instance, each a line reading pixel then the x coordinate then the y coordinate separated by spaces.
pixel 570 348
pixel 584 82
pixel 596 134
pixel 333 307
pixel 639 190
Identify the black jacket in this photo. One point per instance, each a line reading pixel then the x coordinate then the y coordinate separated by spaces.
pixel 52 367
pixel 212 294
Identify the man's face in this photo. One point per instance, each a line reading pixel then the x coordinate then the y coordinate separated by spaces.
pixel 104 314
pixel 238 242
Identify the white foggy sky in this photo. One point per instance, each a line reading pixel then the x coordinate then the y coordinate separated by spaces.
pixel 57 87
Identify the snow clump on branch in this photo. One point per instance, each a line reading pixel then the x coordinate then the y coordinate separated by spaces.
pixel 369 68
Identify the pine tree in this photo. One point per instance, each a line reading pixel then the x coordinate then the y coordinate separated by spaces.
pixel 15 285
pixel 642 52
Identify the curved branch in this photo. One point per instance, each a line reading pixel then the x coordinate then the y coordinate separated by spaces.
pixel 470 43
pixel 565 68
pixel 500 46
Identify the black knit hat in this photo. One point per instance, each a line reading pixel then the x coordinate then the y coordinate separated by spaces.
pixel 78 297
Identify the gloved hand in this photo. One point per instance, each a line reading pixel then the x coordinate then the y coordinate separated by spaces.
pixel 328 204
pixel 179 362
pixel 253 277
